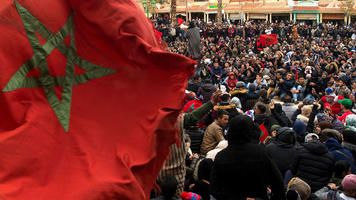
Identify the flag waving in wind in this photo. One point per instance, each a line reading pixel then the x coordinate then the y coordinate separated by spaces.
pixel 88 100
pixel 268 39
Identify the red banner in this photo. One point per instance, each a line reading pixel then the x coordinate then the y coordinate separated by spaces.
pixel 268 39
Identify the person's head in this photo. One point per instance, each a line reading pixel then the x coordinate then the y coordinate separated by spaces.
pixel 225 98
pixel 241 130
pixel 289 76
pixel 232 75
pixel 274 129
pixel 301 187
pixel 260 108
pixel 204 169
pixel 222 117
pixel 342 168
pixel 349 185
pixel 278 75
pixel 287 99
pixel 286 135
pixel 311 137
pixel 301 79
pixel 350 122
pixel 216 65
pixel 263 93
pixel 306 110
pixel 169 187
pixel 346 104
pixel 252 87
pixel 324 75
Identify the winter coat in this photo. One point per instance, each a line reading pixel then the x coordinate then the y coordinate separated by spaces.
pixel 212 136
pixel 196 138
pixel 206 91
pixel 286 86
pixel 340 153
pixel 244 169
pixel 289 110
pixel 279 117
pixel 241 94
pixel 313 164
pixel 282 149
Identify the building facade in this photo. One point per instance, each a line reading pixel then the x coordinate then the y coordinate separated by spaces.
pixel 264 10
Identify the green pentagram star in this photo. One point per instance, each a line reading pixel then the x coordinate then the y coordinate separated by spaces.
pixel 39 59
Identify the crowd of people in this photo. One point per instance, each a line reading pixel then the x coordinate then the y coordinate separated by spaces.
pixel 264 122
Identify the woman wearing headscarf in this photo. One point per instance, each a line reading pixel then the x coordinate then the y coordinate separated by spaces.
pixel 236 177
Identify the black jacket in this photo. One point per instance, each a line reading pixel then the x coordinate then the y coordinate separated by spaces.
pixel 314 164
pixel 244 169
pixel 279 117
pixel 282 149
pixel 196 137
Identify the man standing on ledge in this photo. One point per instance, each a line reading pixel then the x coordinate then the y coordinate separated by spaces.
pixel 193 36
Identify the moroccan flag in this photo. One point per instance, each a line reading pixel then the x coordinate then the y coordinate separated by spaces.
pixel 264 133
pixel 180 21
pixel 268 39
pixel 88 100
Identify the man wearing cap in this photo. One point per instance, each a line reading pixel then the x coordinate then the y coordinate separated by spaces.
pixel 346 105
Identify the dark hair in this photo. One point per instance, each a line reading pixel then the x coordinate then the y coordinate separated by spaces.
pixel 220 114
pixel 225 97
pixel 262 107
pixel 169 187
pixel 287 99
pixel 263 93
pixel 340 167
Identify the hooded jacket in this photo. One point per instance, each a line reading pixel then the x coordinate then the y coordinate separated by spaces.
pixel 282 149
pixel 340 153
pixel 206 91
pixel 313 164
pixel 244 168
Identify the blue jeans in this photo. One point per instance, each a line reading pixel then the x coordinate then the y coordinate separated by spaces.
pixel 310 96
pixel 297 96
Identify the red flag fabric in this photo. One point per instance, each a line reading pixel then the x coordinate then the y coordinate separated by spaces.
pixel 158 34
pixel 268 39
pixel 180 21
pixel 264 133
pixel 88 100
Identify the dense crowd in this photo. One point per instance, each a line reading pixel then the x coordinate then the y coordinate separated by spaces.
pixel 264 122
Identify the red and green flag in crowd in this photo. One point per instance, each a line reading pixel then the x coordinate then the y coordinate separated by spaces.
pixel 268 39
pixel 264 133
pixel 88 100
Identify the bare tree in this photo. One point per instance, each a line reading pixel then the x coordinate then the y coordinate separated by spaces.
pixel 174 11
pixel 219 12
